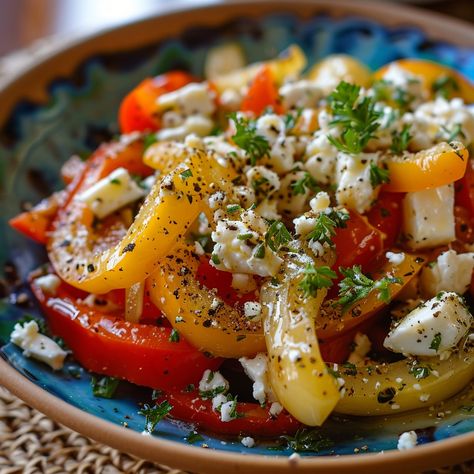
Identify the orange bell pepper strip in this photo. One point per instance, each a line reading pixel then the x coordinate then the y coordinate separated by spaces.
pixel 436 166
pixel 262 93
pixel 209 324
pixel 431 73
pixel 172 205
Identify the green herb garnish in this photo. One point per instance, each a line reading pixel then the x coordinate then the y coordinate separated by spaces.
pixel 186 174
pixel 378 175
pixel 326 223
pixel 315 278
pixel 400 140
pixel 306 183
pixel 277 236
pixel 174 336
pixel 104 387
pixel 154 414
pixel 436 342
pixel 445 86
pixel 308 439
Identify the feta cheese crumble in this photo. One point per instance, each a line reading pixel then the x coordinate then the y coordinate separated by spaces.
pixel 37 345
pixel 256 369
pixel 48 283
pixel 248 442
pixel 407 440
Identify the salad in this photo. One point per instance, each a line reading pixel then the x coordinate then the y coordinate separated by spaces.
pixel 268 245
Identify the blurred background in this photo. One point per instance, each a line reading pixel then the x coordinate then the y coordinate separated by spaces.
pixel 22 22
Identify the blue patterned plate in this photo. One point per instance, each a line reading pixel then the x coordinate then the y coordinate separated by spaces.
pixel 80 111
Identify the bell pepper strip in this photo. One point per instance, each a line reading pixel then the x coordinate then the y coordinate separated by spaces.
pixel 298 375
pixel 436 166
pixel 106 344
pixel 138 110
pixel 464 189
pixel 172 205
pixel 407 384
pixel 164 156
pixel 386 215
pixel 73 167
pixel 207 322
pixel 431 73
pixel 332 321
pixel 290 62
pixel 253 419
pixel 262 93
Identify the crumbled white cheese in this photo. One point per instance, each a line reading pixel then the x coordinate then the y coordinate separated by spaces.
pixel 407 440
pixel 38 346
pixel 395 258
pixel 268 209
pixel 300 94
pixel 218 401
pixel 227 410
pixel 256 369
pixel 263 180
pixel 354 187
pixel 432 328
pixel 199 125
pixel 243 283
pixel 48 283
pixel 291 204
pixel 192 99
pixel 294 355
pixel 275 409
pixel 428 217
pixel 211 381
pixel 234 254
pixel 398 79
pixel 362 346
pixel 321 159
pixel 253 310
pixel 111 193
pixel 245 195
pixel 216 200
pixel 320 202
pixel 248 442
pixel 450 272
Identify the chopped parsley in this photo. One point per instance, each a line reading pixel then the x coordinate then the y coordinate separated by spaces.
pixel 306 183
pixel 358 118
pixel 259 251
pixel 291 119
pixel 308 439
pixel 193 437
pixel 445 86
pixel 215 259
pixel 115 181
pixel 325 226
pixel 149 140
pixel 246 236
pixel 174 336
pixel 104 387
pixel 154 414
pixel 356 286
pixel 456 132
pixel 246 137
pixel 436 342
pixel 277 235
pixel 420 372
pixel 401 140
pixel 186 174
pixel 233 208
pixel 378 175
pixel 315 278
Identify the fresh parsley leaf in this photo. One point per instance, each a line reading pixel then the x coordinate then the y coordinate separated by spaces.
pixel 445 86
pixel 233 208
pixel 104 387
pixel 420 372
pixel 291 119
pixel 193 437
pixel 436 342
pixel 308 439
pixel 154 414
pixel 315 278
pixel 115 181
pixel 174 336
pixel 246 236
pixel 246 137
pixel 42 327
pixel 457 131
pixel 400 140
pixel 259 251
pixel 325 226
pixel 356 286
pixel 358 118
pixel 149 140
pixel 215 259
pixel 277 236
pixel 307 182
pixel 378 175
pixel 186 174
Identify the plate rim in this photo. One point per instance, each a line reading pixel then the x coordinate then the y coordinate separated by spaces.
pixel 186 457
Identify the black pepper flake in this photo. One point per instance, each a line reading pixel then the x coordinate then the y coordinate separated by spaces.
pixel 128 248
pixel 90 268
pixel 386 395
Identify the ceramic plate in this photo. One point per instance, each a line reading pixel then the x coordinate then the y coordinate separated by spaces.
pixel 68 104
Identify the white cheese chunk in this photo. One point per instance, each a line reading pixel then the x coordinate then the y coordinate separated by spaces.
pixel 321 159
pixel 257 370
pixel 432 328
pixel 450 272
pixel 362 346
pixel 199 125
pixel 38 346
pixel 263 180
pixel 275 409
pixel 248 442
pixel 211 381
pixel 407 440
pixel 395 258
pixel 428 218
pixel 111 193
pixel 354 188
pixel 320 202
pixel 253 310
pixel 227 411
pixel 48 283
pixel 218 401
pixel 192 99
pixel 300 94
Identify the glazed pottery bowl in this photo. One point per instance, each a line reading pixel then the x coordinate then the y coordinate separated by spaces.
pixel 67 103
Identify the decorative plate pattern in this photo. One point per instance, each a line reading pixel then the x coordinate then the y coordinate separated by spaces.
pixel 81 113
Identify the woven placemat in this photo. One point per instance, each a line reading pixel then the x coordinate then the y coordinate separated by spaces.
pixel 31 443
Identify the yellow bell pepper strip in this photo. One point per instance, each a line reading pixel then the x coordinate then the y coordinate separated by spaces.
pixel 436 166
pixel 208 324
pixel 164 156
pixel 344 68
pixel 332 321
pixel 433 75
pixel 172 205
pixel 298 374
pixel 385 389
pixel 289 63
